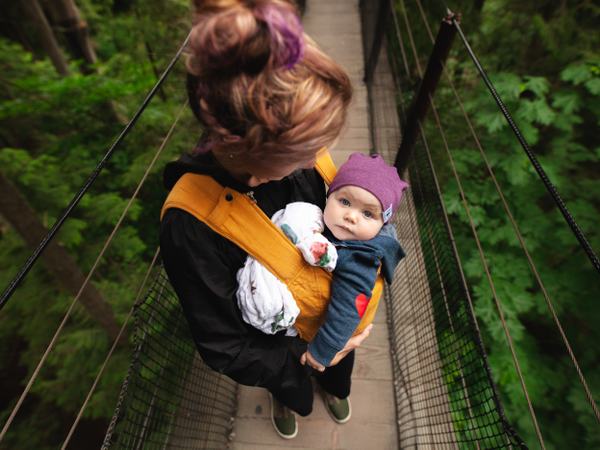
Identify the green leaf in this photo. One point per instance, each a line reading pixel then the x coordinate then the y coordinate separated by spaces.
pixel 576 73
pixel 593 86
pixel 536 111
pixel 71 233
pixel 538 85
pixel 544 114
pixel 509 86
pixel 567 102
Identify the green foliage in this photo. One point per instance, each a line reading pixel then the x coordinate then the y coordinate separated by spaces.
pixel 543 60
pixel 53 132
pixel 542 57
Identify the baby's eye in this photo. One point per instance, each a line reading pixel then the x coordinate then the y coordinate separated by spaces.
pixel 344 201
pixel 368 214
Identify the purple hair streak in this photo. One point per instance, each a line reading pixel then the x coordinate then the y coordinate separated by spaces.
pixel 286 34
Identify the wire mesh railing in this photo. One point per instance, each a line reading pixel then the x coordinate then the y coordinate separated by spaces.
pixel 445 393
pixel 384 86
pixel 170 398
pixel 445 396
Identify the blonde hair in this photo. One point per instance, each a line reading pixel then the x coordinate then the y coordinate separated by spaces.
pixel 267 95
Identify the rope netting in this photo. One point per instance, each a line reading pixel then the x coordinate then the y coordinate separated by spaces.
pixel 444 392
pixel 170 398
pixel 443 388
pixel 445 395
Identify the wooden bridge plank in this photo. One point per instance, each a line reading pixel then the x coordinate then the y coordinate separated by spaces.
pixel 423 413
pixel 373 421
pixel 335 25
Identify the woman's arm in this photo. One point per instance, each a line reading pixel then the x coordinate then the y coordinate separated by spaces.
pixel 202 266
pixel 353 343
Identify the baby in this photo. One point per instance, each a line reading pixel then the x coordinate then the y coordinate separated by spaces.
pixel 362 198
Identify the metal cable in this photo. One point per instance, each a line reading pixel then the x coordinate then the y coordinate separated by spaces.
pixel 89 276
pixel 478 243
pixel 12 286
pixel 489 278
pixel 517 231
pixel 538 167
pixel 110 353
pixel 402 50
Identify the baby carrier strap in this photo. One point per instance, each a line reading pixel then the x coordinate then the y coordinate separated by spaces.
pixel 237 218
pixel 325 166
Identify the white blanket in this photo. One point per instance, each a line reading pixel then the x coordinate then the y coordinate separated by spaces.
pixel 265 302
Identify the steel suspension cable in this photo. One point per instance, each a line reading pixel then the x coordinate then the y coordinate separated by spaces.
pixel 478 243
pixel 489 278
pixel 136 303
pixel 12 286
pixel 89 276
pixel 516 229
pixel 538 167
pixel 402 50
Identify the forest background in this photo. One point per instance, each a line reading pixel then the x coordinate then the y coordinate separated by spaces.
pixel 62 105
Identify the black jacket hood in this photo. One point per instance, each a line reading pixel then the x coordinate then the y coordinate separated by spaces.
pixel 201 164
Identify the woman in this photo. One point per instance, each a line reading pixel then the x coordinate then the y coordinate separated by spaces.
pixel 269 100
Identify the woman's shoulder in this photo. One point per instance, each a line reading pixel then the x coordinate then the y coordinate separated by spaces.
pixel 183 237
pixel 200 164
pixel 181 229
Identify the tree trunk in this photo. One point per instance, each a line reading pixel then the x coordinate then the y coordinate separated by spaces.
pixel 75 30
pixel 16 210
pixel 36 14
pixel 67 18
pixel 122 6
pixel 150 55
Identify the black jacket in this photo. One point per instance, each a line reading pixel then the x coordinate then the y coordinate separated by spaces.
pixel 202 267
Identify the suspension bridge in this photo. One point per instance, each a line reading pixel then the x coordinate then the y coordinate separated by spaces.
pixel 422 379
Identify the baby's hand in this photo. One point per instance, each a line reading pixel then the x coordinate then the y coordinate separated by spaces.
pixel 318 251
pixel 312 362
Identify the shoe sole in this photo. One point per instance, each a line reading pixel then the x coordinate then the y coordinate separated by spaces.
pixel 284 436
pixel 335 419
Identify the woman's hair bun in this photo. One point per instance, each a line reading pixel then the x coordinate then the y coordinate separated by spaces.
pixel 230 37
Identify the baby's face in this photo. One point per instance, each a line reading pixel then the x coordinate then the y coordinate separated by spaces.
pixel 352 213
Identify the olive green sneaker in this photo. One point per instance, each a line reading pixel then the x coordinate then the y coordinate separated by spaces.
pixel 338 408
pixel 283 419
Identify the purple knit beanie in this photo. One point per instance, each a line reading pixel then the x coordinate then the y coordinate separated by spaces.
pixel 371 173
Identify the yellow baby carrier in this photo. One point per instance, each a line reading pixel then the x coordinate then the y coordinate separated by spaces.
pixel 237 218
